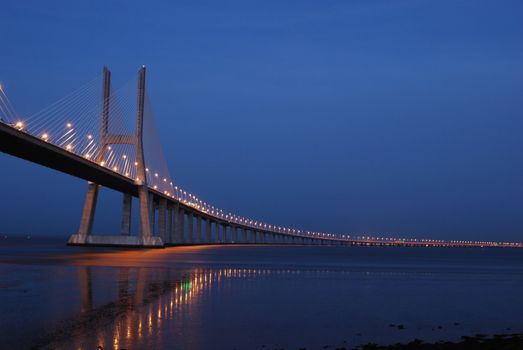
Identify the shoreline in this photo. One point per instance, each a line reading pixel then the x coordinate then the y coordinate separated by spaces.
pixel 477 342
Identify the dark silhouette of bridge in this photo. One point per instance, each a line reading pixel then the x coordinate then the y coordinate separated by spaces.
pixel 89 140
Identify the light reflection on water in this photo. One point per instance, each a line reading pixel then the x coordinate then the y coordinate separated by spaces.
pixel 247 297
pixel 147 300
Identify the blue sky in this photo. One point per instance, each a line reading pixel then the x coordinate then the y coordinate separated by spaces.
pixel 383 117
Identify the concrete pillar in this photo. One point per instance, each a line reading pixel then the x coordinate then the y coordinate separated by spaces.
pixel 180 223
pixel 253 236
pixel 223 233
pixel 143 192
pixel 126 214
pixel 199 237
pixel 86 223
pixel 162 219
pixel 208 236
pixel 217 238
pixel 244 235
pixel 152 213
pixel 234 234
pixel 87 220
pixel 145 222
pixel 190 230
pixel 168 223
pixel 226 233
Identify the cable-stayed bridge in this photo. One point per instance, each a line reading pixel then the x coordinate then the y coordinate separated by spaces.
pixel 109 138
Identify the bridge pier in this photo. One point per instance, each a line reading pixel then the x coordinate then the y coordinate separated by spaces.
pixel 162 218
pixel 190 228
pixel 199 237
pixel 152 213
pixel 216 233
pixel 180 225
pixel 220 230
pixel 227 229
pixel 234 234
pixel 126 214
pixel 86 223
pixel 208 233
pixel 168 224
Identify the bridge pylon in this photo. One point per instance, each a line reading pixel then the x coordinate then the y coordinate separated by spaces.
pixel 145 236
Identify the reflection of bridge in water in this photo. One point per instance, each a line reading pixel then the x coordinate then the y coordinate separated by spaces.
pixel 146 298
pixel 152 306
pixel 90 138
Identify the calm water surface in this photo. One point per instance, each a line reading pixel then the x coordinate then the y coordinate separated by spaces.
pixel 252 297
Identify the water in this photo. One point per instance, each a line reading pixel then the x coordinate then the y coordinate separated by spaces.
pixel 252 297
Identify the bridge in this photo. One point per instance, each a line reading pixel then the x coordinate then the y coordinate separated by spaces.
pixel 89 137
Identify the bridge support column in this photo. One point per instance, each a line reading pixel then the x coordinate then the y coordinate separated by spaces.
pixel 227 233
pixel 176 222
pixel 168 224
pixel 126 214
pixel 180 223
pixel 208 233
pixel 217 237
pixel 198 237
pixel 234 234
pixel 190 228
pixel 86 223
pixel 152 214
pixel 145 212
pixel 162 219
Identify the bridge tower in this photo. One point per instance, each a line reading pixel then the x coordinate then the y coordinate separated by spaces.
pixel 145 235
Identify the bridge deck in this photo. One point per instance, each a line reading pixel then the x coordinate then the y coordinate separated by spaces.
pixel 25 146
